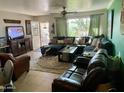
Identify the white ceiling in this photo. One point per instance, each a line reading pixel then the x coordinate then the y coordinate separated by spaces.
pixel 43 7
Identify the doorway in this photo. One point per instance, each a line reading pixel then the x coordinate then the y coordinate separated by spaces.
pixel 35 31
pixel 44 33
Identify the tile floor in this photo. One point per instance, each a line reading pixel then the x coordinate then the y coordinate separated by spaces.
pixel 34 81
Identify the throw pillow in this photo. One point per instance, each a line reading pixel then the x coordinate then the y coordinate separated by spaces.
pixel 53 41
pixel 60 41
pixel 81 41
pixel 94 42
pixel 68 41
pixel 76 40
pixel 97 45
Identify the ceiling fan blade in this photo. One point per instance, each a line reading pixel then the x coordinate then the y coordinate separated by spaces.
pixel 71 12
pixel 64 12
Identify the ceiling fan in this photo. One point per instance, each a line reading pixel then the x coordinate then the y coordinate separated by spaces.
pixel 64 12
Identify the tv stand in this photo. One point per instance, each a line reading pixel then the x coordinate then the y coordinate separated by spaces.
pixel 20 46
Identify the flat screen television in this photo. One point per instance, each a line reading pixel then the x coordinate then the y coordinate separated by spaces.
pixel 15 32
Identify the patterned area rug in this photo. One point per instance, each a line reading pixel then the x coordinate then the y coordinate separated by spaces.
pixel 50 64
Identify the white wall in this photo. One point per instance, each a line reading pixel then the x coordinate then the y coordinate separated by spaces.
pixel 14 16
pixel 48 18
pixel 52 18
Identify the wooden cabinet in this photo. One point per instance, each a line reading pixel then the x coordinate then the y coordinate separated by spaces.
pixel 20 46
pixel 28 44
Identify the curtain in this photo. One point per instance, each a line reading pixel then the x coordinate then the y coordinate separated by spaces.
pixel 94 25
pixel 61 26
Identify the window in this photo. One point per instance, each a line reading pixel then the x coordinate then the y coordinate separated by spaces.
pixel 78 27
pixel 94 25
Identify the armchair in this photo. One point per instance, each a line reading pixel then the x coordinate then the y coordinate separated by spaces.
pixel 6 77
pixel 21 64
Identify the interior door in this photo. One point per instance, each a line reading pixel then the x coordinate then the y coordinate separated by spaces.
pixel 35 34
pixel 44 33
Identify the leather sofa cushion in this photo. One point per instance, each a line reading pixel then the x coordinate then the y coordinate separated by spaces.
pixel 98 60
pixel 72 68
pixel 108 45
pixel 80 71
pixel 103 51
pixel 89 48
pixel 66 74
pixel 77 70
pixel 94 42
pixel 76 77
pixel 65 85
pixel 93 79
pixel 81 62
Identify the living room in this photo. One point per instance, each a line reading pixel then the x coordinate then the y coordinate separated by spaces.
pixel 32 17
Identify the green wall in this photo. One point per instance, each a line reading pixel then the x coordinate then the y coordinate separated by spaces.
pixel 61 26
pixel 118 38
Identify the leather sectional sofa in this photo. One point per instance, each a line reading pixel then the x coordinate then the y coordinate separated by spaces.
pixel 100 42
pixel 85 75
pixel 59 42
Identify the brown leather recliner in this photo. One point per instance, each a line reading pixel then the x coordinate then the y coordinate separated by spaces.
pixel 21 64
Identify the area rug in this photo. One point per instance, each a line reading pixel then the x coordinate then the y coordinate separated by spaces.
pixel 50 64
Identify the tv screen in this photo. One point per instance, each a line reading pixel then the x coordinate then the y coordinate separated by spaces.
pixel 15 32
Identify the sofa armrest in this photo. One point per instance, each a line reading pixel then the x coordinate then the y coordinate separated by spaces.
pixel 6 56
pixel 65 85
pixel 81 61
pixel 21 65
pixel 25 58
pixel 22 61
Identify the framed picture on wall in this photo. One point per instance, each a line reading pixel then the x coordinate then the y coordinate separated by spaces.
pixel 28 27
pixel 110 22
pixel 53 29
pixel 122 17
pixel 122 4
pixel 35 28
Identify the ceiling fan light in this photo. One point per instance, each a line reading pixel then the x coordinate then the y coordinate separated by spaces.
pixel 64 12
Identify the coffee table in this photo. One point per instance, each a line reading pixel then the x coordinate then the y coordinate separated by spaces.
pixel 67 54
